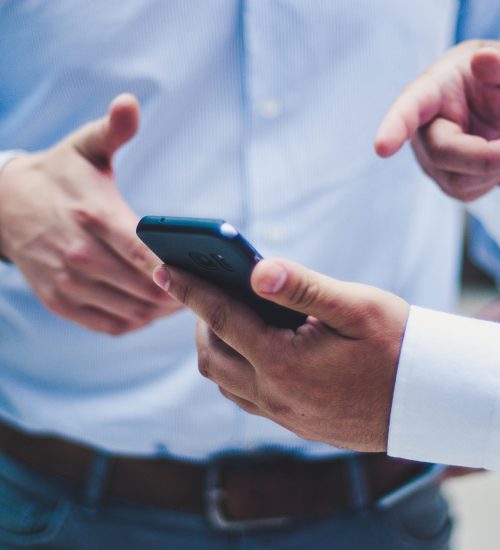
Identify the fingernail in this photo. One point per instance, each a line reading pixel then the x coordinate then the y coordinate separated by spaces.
pixel 272 280
pixel 161 277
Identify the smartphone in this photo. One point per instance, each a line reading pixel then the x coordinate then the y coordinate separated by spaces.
pixel 216 251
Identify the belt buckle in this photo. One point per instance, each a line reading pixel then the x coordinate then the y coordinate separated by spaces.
pixel 215 496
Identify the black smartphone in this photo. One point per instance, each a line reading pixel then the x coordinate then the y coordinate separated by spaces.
pixel 216 251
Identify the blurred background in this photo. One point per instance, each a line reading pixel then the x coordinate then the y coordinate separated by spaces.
pixel 475 499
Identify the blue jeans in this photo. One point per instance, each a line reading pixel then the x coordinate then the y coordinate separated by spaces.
pixel 38 512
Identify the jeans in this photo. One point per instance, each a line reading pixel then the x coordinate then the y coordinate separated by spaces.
pixel 40 512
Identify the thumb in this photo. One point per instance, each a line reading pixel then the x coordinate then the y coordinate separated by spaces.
pixel 99 139
pixel 485 65
pixel 341 305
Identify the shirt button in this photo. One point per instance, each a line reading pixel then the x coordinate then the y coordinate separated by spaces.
pixel 276 235
pixel 270 108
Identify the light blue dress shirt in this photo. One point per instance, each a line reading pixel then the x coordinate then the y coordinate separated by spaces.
pixel 259 112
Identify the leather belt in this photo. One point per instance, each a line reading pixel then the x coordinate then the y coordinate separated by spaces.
pixel 232 491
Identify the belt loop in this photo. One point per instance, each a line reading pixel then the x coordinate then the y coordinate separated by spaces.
pixel 95 485
pixel 357 482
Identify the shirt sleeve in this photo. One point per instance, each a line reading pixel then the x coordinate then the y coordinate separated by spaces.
pixel 5 156
pixel 446 406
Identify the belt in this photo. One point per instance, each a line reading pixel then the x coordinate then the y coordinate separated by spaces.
pixel 244 490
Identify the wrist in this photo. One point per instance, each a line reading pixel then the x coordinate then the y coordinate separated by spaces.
pixel 401 313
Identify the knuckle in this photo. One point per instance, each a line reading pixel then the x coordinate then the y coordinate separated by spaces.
pixel 138 252
pixel 485 164
pixel 369 314
pixel 78 253
pixel 459 188
pixel 218 319
pixel 468 195
pixel 225 393
pixel 64 281
pixel 242 404
pixel 489 164
pixel 89 218
pixel 276 409
pixel 117 329
pixel 204 363
pixel 145 314
pixel 427 170
pixel 250 408
pixel 438 153
pixel 373 309
pixel 184 293
pixel 118 326
pixel 304 294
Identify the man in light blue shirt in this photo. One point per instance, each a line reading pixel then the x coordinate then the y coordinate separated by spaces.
pixel 256 112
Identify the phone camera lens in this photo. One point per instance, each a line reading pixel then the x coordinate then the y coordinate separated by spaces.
pixel 203 261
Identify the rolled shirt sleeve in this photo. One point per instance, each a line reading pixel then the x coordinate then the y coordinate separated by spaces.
pixel 446 406
pixel 6 156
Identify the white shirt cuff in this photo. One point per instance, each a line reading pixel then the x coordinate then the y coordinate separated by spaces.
pixel 446 405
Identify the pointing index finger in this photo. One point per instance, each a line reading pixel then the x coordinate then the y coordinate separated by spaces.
pixel 418 104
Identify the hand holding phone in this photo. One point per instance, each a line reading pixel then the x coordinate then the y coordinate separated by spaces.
pixel 214 250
